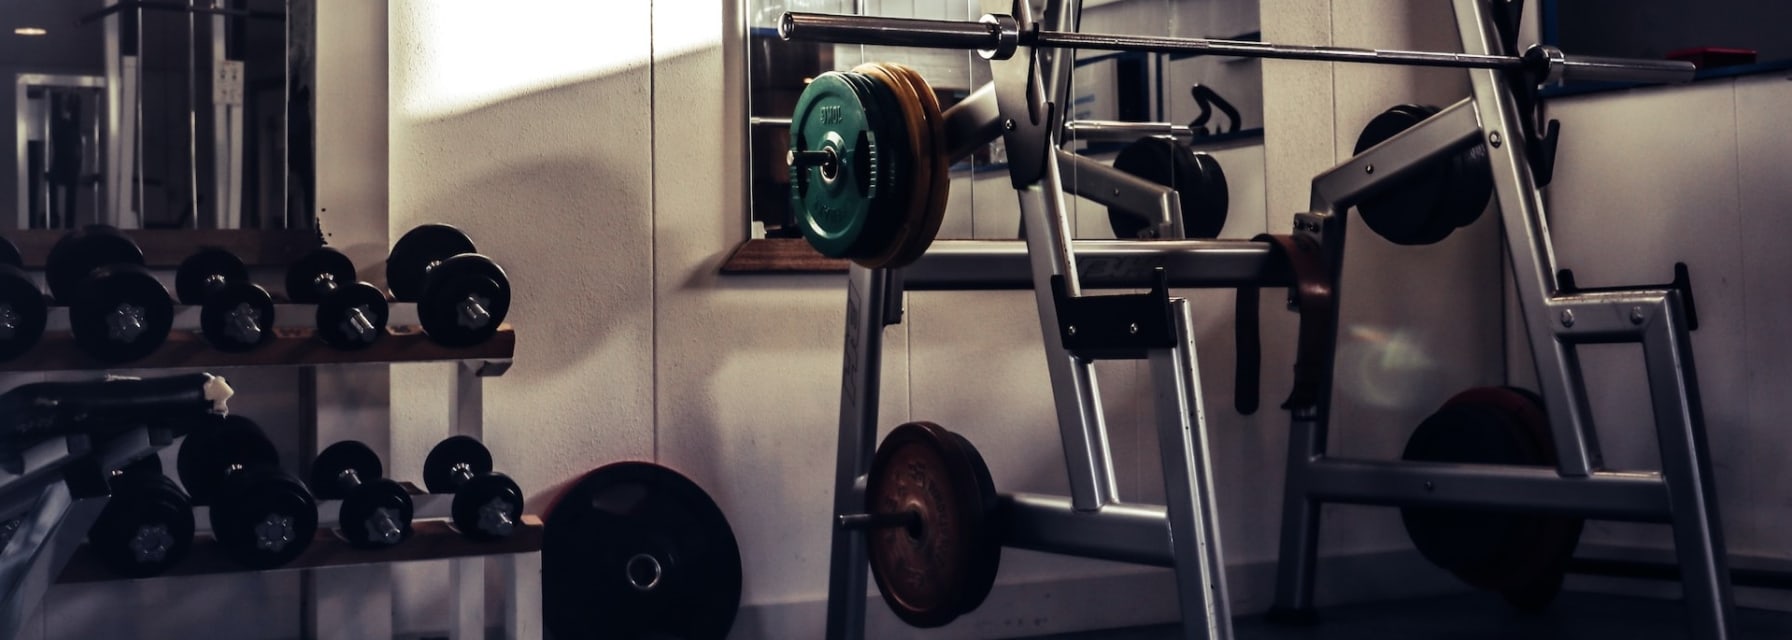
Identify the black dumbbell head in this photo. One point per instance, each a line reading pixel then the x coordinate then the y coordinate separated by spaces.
pixel 264 518
pixel 333 324
pixel 487 507
pixel 23 312
pixel 1199 182
pixel 327 470
pixel 145 528
pixel 206 271
pixel 362 506
pixel 444 307
pixel 121 313
pixel 415 251
pixel 303 276
pixel 9 253
pixel 211 450
pixel 219 317
pixel 79 252
pixel 439 467
pixel 138 471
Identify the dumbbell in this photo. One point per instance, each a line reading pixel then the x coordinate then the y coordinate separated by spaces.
pixel 487 504
pixel 23 311
pixel 117 310
pixel 350 314
pixel 262 516
pixel 235 314
pixel 376 511
pixel 461 296
pixel 147 525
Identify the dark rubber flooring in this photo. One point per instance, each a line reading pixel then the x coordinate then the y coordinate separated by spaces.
pixel 1476 616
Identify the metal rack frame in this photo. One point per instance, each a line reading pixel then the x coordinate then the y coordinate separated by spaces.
pixel 1091 521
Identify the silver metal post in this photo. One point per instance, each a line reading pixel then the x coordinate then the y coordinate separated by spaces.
pixel 1188 486
pixel 868 296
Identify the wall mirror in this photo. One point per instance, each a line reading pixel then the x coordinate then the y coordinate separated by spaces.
pixel 1107 87
pixel 154 114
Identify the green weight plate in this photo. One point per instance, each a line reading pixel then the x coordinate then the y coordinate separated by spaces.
pixel 833 209
pixel 418 250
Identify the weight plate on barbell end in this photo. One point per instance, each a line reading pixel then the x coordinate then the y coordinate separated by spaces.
pixel 891 209
pixel 939 187
pixel 930 573
pixel 145 528
pixel 23 312
pixel 360 507
pixel 121 313
pixel 302 276
pixel 439 465
pixel 831 115
pixel 79 252
pixel 193 279
pixel 1199 182
pixel 1410 211
pixel 415 251
pixel 327 469
pixel 213 446
pixel 332 320
pixel 914 173
pixel 636 550
pixel 983 579
pixel 1520 555
pixel 218 317
pixel 443 306
pixel 264 518
pixel 487 507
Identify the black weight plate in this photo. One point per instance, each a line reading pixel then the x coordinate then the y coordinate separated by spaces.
pixel 202 272
pixel 79 252
pixel 302 277
pixel 929 574
pixel 1471 186
pixel 333 324
pixel 605 536
pixel 415 251
pixel 264 518
pixel 983 577
pixel 121 313
pixel 326 470
pixel 438 466
pixel 9 253
pixel 896 159
pixel 218 317
pixel 360 506
pixel 1404 212
pixel 1518 554
pixel 22 306
pixel 454 282
pixel 479 502
pixel 145 469
pixel 208 453
pixel 144 529
pixel 1199 182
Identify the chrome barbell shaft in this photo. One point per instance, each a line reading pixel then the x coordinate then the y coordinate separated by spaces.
pixel 993 34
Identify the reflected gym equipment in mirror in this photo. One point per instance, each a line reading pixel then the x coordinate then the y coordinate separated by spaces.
pixel 158 115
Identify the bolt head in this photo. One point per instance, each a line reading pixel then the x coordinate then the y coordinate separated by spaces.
pixel 1636 315
pixel 496 518
pixel 1493 138
pixel 274 532
pixel 1070 329
pixel 151 543
pixel 1369 169
pixel 1567 317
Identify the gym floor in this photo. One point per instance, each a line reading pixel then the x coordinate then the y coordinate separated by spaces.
pixel 1475 616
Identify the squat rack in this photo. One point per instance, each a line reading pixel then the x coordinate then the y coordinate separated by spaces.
pixel 1019 108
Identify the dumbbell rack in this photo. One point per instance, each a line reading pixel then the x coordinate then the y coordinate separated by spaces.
pixel 294 344
pixel 1092 522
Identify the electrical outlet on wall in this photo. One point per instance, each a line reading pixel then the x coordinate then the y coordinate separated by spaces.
pixel 227 83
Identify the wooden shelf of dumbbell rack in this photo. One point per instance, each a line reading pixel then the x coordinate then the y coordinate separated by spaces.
pixel 430 540
pixel 165 248
pixel 291 346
